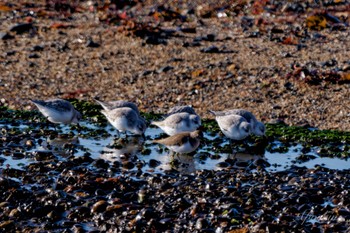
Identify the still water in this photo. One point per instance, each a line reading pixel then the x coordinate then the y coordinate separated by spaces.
pixel 156 158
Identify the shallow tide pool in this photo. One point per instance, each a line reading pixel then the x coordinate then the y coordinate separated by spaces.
pixel 156 158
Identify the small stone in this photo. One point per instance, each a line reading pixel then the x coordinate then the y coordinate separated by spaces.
pixel 189 30
pixel 223 165
pixel 101 163
pixel 211 49
pixel 128 165
pixel 99 206
pixel 165 69
pixel 6 36
pixel 22 28
pixel 18 155
pixel 7 225
pixel 43 155
pixel 37 48
pixel 192 44
pixel 154 40
pixel 147 72
pixel 210 37
pixel 154 163
pixel 33 55
pixel 92 44
pixel 10 53
pixel 14 213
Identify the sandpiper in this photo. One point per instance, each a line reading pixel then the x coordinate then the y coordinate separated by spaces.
pixel 178 123
pixel 125 119
pixel 58 111
pixel 233 126
pixel 258 128
pixel 186 142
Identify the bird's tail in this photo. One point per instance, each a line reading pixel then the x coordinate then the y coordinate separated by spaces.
pixel 212 112
pixel 156 123
pixel 38 102
pixel 105 113
pixel 97 101
pixel 103 105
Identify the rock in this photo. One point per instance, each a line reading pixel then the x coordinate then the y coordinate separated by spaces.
pixel 11 53
pixel 22 28
pixel 192 44
pixel 147 72
pixel 6 36
pixel 210 37
pixel 155 40
pixel 165 69
pixel 42 155
pixel 154 163
pixel 37 48
pixel 189 30
pixel 92 44
pixel 99 207
pixel 33 55
pixel 211 49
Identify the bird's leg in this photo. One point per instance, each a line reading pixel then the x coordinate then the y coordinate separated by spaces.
pixel 118 134
pixel 178 156
pixel 234 152
pixel 173 154
pixel 249 164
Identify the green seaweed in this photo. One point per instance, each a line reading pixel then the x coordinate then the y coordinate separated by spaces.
pixel 301 134
pixel 88 110
pixel 210 125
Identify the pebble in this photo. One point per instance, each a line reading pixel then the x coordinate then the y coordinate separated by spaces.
pixel 22 28
pixel 92 44
pixel 34 55
pixel 191 44
pixel 38 48
pixel 155 40
pixel 6 36
pixel 211 49
pixel 165 69
pixel 43 155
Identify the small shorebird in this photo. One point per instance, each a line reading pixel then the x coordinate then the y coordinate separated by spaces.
pixel 125 119
pixel 233 126
pixel 178 123
pixel 108 106
pixel 181 108
pixel 258 128
pixel 183 143
pixel 58 111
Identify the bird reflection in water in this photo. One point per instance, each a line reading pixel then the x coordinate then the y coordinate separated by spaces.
pixel 61 144
pixel 123 149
